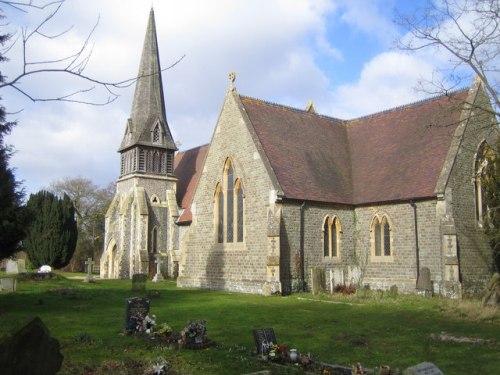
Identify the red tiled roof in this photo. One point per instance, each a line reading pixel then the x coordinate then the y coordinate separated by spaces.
pixel 187 168
pixel 388 156
pixel 308 153
pixel 399 154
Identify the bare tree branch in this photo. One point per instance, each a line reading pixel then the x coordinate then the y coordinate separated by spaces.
pixel 469 31
pixel 71 66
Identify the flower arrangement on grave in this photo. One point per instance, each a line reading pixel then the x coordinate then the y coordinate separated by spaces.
pixel 194 332
pixel 144 324
pixel 163 330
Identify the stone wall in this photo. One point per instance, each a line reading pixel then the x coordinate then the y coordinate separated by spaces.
pixel 237 266
pixel 401 268
pixel 475 255
pixel 355 264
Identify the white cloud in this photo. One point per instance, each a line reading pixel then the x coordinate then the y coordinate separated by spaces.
pixel 386 81
pixel 276 47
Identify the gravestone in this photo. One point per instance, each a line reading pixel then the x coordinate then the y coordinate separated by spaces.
pixel 139 282
pixel 263 338
pixel 8 284
pixel 12 266
pixel 89 278
pixel 30 350
pixel 135 308
pixel 424 368
pixel 318 280
pixel 21 265
pixel 424 282
pixel 158 276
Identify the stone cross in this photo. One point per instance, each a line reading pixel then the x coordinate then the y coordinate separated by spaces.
pixel 89 263
pixel 158 276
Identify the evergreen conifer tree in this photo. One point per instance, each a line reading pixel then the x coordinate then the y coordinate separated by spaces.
pixel 52 235
pixel 13 218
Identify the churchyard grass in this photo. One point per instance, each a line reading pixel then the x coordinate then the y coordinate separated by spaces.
pixel 88 318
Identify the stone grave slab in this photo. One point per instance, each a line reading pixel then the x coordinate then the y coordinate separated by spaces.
pixel 424 368
pixel 263 338
pixel 139 282
pixel 30 350
pixel 12 266
pixel 8 284
pixel 21 265
pixel 424 282
pixel 135 307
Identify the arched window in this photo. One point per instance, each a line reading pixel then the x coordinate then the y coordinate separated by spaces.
pixel 239 211
pixel 219 213
pixel 230 201
pixel 482 162
pixel 381 236
pixel 331 237
pixel 156 133
pixel 154 240
pixel 229 207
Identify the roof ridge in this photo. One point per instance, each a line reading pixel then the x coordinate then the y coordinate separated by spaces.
pixel 291 108
pixel 194 148
pixel 407 105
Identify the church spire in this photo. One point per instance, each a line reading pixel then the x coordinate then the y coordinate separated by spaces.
pixel 147 125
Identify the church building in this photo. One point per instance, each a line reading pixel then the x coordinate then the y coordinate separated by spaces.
pixel 281 195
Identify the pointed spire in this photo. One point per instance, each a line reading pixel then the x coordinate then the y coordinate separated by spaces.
pixel 148 107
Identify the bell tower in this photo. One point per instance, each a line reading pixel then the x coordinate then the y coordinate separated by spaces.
pixel 140 223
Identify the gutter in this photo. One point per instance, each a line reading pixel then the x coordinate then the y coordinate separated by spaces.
pixel 301 245
pixel 417 249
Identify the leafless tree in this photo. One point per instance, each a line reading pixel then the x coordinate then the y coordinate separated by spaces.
pixel 468 31
pixel 71 66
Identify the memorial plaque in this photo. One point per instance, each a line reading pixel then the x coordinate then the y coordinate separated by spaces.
pixel 263 338
pixel 135 307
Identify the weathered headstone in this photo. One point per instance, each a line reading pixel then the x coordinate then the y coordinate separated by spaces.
pixel 263 338
pixel 8 284
pixel 424 282
pixel 318 280
pixel 424 368
pixel 134 309
pixel 21 265
pixel 12 266
pixel 139 282
pixel 89 278
pixel 30 350
pixel 158 261
pixel 492 295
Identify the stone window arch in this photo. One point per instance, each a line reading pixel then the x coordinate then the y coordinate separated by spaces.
pixel 238 211
pixel 219 213
pixel 481 163
pixel 156 133
pixel 381 237
pixel 331 237
pixel 229 206
pixel 154 240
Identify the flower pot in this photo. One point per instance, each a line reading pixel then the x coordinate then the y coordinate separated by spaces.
pixel 293 355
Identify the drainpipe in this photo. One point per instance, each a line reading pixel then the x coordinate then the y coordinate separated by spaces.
pixel 417 250
pixel 301 249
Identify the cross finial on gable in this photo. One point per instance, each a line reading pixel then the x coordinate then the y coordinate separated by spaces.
pixel 232 78
pixel 310 107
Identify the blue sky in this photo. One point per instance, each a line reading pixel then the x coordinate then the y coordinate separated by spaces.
pixel 339 53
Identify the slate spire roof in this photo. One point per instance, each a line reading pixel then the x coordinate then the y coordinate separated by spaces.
pixel 148 107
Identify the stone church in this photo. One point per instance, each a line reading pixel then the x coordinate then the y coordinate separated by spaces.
pixel 281 194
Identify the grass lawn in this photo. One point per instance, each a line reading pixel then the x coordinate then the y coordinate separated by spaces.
pixel 381 329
